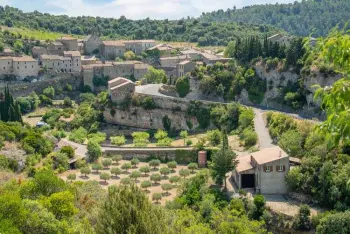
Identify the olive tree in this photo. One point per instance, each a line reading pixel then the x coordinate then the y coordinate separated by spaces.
pixel 105 176
pixel 135 162
pixel 126 167
pixel 184 173
pixel 154 163
pixel 157 197
pixel 97 167
pixel 116 171
pixel 156 178
pixel 145 169
pixel 172 165
pixel 117 158
pixel 72 177
pixel 164 171
pixel 85 170
pixel 135 175
pixel 174 179
pixel 107 162
pixel 166 188
pixel 192 166
pixel 146 184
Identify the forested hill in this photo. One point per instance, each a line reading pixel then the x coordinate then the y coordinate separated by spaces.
pixel 299 18
pixel 188 30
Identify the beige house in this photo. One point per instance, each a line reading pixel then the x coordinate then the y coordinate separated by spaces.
pixel 184 67
pixel 69 43
pixel 113 49
pixel 25 66
pixel 264 171
pixel 38 50
pixel 75 57
pixel 120 88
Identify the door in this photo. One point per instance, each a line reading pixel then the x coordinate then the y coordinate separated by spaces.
pixel 248 181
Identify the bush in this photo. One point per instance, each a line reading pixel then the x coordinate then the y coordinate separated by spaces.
pixel 49 92
pixel 214 137
pixel 67 102
pixel 148 103
pixel 183 86
pixel 140 139
pixel 302 220
pixel 118 140
pixel 249 137
pixel 68 150
pixel 78 135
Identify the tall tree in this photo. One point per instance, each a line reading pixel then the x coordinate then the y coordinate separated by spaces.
pixel 223 161
pixel 9 108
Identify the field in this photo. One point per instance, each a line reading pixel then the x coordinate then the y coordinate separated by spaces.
pixel 155 188
pixel 37 34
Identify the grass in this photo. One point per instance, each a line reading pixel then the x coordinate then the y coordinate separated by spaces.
pixel 37 34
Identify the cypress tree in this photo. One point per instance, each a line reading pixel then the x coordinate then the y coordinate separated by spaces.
pixel 9 108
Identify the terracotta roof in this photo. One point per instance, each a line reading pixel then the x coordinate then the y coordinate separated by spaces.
pixel 24 59
pixel 244 164
pixel 269 155
pixel 113 43
pixel 72 53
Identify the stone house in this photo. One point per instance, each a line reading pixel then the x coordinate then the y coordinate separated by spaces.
pixel 88 59
pixel 55 48
pixel 280 39
pixel 139 46
pixel 211 59
pixel 164 50
pixel 6 66
pixel 120 88
pixel 38 50
pixel 172 61
pixel 25 66
pixel 92 43
pixel 140 70
pixel 75 57
pixel 112 49
pixel 263 171
pixel 56 63
pixel 69 43
pixel 184 67
pixel 194 55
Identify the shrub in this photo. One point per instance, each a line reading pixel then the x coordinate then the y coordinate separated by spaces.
pixel 78 135
pixel 145 169
pixel 117 158
pixel 302 220
pixel 146 184
pixel 189 142
pixel 116 171
pixel 156 178
pixel 162 138
pixel 140 139
pixel 156 197
pixel 68 150
pixel 67 102
pixel 154 163
pixel 183 86
pixel 249 137
pixel 94 151
pixel 192 166
pixel 49 92
pixel 148 103
pixel 118 140
pixel 172 165
pixel 135 162
pixel 214 137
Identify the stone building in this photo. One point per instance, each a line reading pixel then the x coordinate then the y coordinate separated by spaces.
pixel 120 88
pixel 56 63
pixel 211 59
pixel 280 39
pixel 184 67
pixel 25 66
pixel 38 50
pixel 164 50
pixel 69 43
pixel 92 43
pixel 113 49
pixel 88 59
pixel 136 69
pixel 75 57
pixel 263 171
pixel 139 46
pixel 6 66
pixel 193 54
pixel 56 48
pixel 172 61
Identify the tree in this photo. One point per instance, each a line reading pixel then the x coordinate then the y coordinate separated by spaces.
pixel 156 178
pixel 9 109
pixel 214 137
pixel 183 86
pixel 166 187
pixel 156 197
pixel 97 167
pixel 61 204
pixel 72 177
pixel 154 163
pixel 128 210
pixel 164 171
pixel 18 46
pixel 85 170
pixel 129 55
pixel 135 175
pixel 125 181
pixel 223 161
pixel 302 220
pixel 172 165
pixel 162 138
pixel 118 140
pixel 135 162
pixel 145 169
pixel 68 150
pixel 259 206
pixel 126 167
pixel 192 167
pixel 146 184
pixel 78 135
pixel 155 76
pixel 166 123
pixel 105 176
pixel 107 162
pixel 67 102
pixel 117 158
pixel 94 151
pixel 337 223
pixel 184 173
pixel 184 135
pixel 140 139
pixel 174 179
pixel 49 92
pixel 291 142
pixel 116 171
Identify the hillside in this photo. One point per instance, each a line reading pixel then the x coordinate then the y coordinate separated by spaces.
pixel 187 30
pixel 299 18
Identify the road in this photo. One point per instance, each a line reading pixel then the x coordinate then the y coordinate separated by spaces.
pixel 265 140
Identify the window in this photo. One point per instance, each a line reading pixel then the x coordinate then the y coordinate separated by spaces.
pixel 281 168
pixel 268 169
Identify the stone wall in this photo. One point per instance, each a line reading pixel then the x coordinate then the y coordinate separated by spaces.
pixel 19 89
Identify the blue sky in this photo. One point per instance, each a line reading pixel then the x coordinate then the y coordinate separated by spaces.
pixel 133 9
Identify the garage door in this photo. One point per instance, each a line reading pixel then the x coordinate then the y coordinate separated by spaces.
pixel 248 181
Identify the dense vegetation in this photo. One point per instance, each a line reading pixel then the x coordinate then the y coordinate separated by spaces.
pixel 299 18
pixel 189 30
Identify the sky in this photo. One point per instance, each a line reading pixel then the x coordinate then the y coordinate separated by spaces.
pixel 132 9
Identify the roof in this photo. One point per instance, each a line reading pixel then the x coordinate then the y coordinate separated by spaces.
pixel 118 82
pixel 175 57
pixel 190 51
pixel 6 58
pixel 161 47
pixel 139 41
pixel 72 53
pixel 244 164
pixel 67 38
pixel 24 59
pixel 57 43
pixel 88 58
pixel 141 66
pixel 38 48
pixel 269 155
pixel 185 62
pixel 113 43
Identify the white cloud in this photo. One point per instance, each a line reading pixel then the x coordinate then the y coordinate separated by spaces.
pixel 140 9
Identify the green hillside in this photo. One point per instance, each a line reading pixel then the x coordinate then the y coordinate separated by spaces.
pixel 299 18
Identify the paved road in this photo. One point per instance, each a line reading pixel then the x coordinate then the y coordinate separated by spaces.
pixel 265 140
